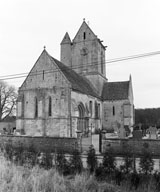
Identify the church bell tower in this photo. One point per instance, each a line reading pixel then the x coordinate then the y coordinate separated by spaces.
pixel 86 55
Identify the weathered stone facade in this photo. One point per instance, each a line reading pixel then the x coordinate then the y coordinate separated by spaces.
pixel 41 85
pixel 61 98
pixel 118 108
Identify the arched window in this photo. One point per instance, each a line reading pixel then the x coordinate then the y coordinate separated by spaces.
pixel 81 119
pixel 36 107
pixel 96 110
pixel 90 107
pixel 113 111
pixel 99 110
pixel 50 106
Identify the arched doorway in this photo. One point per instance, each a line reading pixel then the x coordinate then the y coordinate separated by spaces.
pixel 83 124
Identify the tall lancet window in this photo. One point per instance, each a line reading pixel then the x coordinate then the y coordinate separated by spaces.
pixel 43 74
pixel 50 106
pixel 113 110
pixel 102 62
pixel 36 107
pixel 84 35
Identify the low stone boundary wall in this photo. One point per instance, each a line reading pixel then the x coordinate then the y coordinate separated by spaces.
pixel 41 144
pixel 136 146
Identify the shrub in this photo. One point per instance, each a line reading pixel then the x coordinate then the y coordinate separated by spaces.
pixel 18 153
pixel 157 180
pixel 146 162
pixel 109 163
pixel 128 160
pixel 134 180
pixel 8 151
pixel 107 168
pixel 62 164
pixel 45 160
pixel 99 173
pixel 76 162
pixel 92 159
pixel 118 176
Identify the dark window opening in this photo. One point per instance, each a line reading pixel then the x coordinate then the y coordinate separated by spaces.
pixel 36 107
pixel 102 62
pixel 14 129
pixel 113 111
pixel 90 107
pixel 23 103
pixel 50 107
pixel 98 110
pixel 43 74
pixel 84 35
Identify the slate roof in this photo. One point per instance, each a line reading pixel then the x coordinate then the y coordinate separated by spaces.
pixel 78 82
pixel 9 119
pixel 115 91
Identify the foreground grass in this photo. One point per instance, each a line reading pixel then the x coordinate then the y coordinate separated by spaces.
pixel 23 179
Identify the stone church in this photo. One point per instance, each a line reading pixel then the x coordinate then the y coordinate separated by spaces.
pixel 61 98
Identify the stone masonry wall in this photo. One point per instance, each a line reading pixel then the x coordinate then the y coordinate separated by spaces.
pixel 123 115
pixel 136 146
pixel 41 144
pixel 44 82
pixel 111 121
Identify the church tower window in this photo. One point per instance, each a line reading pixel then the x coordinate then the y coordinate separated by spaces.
pixel 50 107
pixel 113 111
pixel 36 107
pixel 84 35
pixel 102 62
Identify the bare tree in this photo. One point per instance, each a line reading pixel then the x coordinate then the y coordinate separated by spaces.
pixel 8 98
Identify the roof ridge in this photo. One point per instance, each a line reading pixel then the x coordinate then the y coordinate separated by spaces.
pixel 117 81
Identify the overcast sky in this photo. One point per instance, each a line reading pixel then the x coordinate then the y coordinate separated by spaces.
pixel 127 27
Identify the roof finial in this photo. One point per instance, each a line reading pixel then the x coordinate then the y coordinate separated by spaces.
pixel 44 47
pixel 83 19
pixel 130 78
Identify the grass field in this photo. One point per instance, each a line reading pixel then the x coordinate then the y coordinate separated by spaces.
pixel 23 179
pixel 15 178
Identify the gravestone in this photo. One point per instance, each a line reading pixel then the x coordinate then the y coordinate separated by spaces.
pixel 152 133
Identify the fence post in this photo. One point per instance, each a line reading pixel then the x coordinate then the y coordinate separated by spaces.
pixel 79 137
pixel 101 136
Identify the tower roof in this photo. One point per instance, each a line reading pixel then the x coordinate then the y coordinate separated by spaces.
pixel 66 39
pixel 84 25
